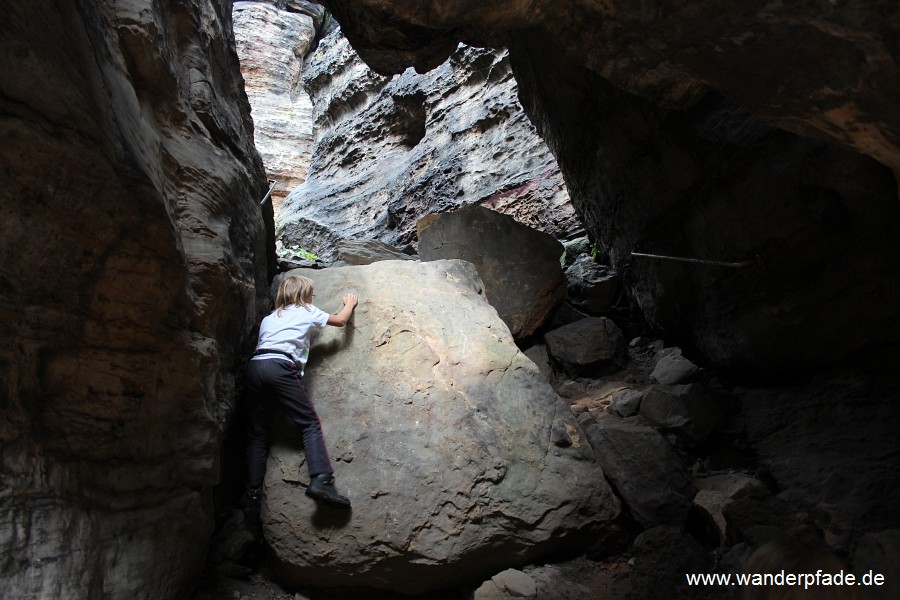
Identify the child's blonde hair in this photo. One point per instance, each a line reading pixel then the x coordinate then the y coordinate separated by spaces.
pixel 294 289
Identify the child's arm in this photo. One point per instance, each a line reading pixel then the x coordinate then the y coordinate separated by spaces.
pixel 340 318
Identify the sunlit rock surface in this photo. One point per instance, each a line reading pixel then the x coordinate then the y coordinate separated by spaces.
pixel 130 248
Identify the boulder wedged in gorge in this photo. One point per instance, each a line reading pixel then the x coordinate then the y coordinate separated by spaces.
pixel 764 134
pixel 459 458
pixel 131 242
pixel 520 266
pixel 389 151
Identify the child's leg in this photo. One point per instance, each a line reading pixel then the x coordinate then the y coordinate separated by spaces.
pixel 292 396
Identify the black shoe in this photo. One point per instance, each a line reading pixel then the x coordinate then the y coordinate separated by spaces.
pixel 251 500
pixel 321 487
pixel 249 505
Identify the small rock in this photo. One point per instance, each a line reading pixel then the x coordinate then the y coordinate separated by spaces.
pixel 592 287
pixel 490 591
pixel 626 403
pixel 716 492
pixel 584 347
pixel 673 368
pixel 683 409
pixel 516 583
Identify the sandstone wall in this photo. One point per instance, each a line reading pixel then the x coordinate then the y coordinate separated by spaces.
pixel 131 247
pixel 389 151
pixel 271 44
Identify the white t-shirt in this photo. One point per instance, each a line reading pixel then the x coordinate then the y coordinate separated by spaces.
pixel 290 332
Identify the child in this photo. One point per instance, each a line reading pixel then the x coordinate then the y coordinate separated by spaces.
pixel 275 372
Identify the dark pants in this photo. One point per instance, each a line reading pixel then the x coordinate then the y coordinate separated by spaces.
pixel 277 380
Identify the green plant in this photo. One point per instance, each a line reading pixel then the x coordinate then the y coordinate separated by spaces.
pixel 296 251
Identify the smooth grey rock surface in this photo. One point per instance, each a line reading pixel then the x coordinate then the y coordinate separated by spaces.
pixel 515 583
pixel 519 265
pixel 626 403
pixel 459 458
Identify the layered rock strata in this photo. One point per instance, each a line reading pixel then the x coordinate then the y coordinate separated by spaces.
pixel 271 44
pixel 389 151
pixel 459 458
pixel 131 244
pixel 762 134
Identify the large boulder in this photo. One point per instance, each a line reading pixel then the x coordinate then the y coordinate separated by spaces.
pixel 459 458
pixel 520 266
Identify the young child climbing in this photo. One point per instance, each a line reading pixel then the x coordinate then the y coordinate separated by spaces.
pixel 275 374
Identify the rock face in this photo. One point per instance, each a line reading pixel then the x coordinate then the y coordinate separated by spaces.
pixel 271 44
pixel 130 247
pixel 519 266
pixel 389 151
pixel 459 458
pixel 631 99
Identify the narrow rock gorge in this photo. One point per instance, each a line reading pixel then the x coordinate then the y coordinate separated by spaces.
pixel 711 374
pixel 271 44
